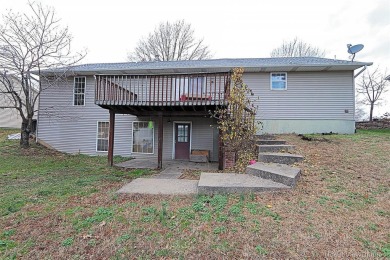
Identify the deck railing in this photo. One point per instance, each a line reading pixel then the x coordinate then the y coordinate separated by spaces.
pixel 163 90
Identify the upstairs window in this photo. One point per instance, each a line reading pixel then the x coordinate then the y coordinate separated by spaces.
pixel 279 81
pixel 79 91
pixel 102 136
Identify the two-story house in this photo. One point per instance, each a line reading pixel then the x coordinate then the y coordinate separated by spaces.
pixel 162 109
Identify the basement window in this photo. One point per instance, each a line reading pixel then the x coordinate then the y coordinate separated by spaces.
pixel 143 137
pixel 102 136
pixel 79 91
pixel 278 81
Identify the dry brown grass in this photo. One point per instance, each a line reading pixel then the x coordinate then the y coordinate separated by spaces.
pixel 339 210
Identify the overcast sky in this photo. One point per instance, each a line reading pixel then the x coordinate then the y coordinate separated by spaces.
pixel 232 29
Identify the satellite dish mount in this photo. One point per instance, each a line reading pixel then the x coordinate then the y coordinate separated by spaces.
pixel 353 49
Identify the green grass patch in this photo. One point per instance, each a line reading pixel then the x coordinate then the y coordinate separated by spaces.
pixel 261 250
pixel 37 175
pixel 68 242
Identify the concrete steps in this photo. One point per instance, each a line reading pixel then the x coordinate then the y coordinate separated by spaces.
pixel 280 173
pixel 283 158
pixel 270 142
pixel 217 183
pixel 275 148
pixel 271 173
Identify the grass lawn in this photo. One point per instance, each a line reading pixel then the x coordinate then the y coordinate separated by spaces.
pixel 57 206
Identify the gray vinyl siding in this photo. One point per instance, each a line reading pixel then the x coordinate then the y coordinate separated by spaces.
pixel 309 95
pixel 72 129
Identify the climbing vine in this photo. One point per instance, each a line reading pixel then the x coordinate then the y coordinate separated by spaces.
pixel 237 123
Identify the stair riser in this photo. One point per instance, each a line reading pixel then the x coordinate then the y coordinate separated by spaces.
pixel 270 142
pixel 279 159
pixel 273 176
pixel 237 190
pixel 275 149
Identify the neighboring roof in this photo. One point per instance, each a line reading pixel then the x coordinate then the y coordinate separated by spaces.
pixel 219 65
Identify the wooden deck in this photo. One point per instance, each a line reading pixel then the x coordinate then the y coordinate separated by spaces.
pixel 181 90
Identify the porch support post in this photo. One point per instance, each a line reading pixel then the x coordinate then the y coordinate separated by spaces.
pixel 111 139
pixel 220 151
pixel 160 140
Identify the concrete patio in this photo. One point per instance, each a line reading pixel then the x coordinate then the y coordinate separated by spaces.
pixel 167 180
pixel 172 169
pixel 270 174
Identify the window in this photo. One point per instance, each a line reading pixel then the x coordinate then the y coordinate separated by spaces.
pixel 79 91
pixel 182 133
pixel 102 136
pixel 143 137
pixel 279 81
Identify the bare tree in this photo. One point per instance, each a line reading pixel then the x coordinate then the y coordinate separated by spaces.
pixel 170 42
pixel 29 43
pixel 371 86
pixel 297 48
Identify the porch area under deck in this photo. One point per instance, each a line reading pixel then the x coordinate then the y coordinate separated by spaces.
pixel 172 169
pixel 162 97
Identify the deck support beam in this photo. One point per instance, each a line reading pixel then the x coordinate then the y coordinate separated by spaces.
pixel 220 151
pixel 111 139
pixel 160 140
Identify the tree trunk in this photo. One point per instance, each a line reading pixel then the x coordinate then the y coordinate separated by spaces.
pixel 371 111
pixel 25 133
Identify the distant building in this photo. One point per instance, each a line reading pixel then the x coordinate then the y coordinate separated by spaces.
pixel 10 117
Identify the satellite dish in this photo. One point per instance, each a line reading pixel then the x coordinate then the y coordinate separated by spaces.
pixel 353 49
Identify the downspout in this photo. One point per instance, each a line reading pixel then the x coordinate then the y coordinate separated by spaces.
pixel 38 112
pixel 354 97
pixel 360 72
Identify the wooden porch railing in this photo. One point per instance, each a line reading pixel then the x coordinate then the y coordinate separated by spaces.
pixel 163 90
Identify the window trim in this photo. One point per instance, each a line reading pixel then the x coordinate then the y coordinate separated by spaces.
pixel 132 137
pixel 97 135
pixel 270 81
pixel 85 88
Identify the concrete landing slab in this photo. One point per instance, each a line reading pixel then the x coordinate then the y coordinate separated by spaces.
pixel 161 186
pixel 215 183
pixel 282 173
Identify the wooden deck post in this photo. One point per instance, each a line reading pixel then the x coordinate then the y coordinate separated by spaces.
pixel 220 151
pixel 160 140
pixel 111 139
